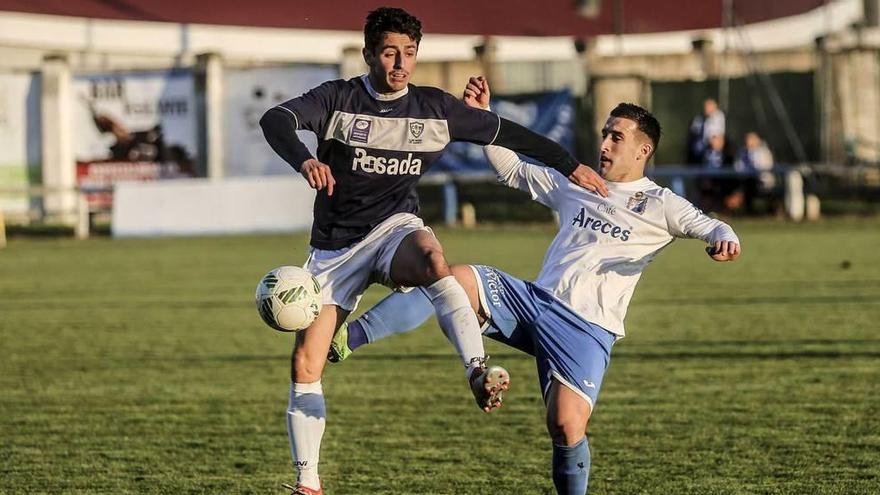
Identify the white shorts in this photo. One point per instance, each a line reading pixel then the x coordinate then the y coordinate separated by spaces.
pixel 344 274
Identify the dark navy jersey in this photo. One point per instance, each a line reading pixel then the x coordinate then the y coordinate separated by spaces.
pixel 378 148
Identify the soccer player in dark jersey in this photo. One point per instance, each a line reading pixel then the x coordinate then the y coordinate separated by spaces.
pixel 377 134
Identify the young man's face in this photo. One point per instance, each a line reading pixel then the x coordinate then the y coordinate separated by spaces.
pixel 392 62
pixel 623 151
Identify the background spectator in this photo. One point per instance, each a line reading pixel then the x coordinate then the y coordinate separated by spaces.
pixel 755 158
pixel 719 193
pixel 703 127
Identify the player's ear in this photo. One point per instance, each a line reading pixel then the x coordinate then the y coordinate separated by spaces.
pixel 368 56
pixel 645 150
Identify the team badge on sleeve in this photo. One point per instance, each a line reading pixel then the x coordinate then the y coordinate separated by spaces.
pixel 637 202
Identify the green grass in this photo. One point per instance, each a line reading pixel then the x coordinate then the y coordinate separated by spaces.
pixel 140 366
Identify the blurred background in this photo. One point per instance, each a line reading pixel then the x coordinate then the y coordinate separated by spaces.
pixel 767 108
pixel 138 364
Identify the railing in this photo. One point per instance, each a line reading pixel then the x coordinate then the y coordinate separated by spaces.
pixel 78 211
pixel 797 203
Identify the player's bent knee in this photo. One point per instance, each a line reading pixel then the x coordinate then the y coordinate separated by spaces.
pixel 567 414
pixel 568 426
pixel 306 368
pixel 436 265
pixel 468 281
pixel 567 432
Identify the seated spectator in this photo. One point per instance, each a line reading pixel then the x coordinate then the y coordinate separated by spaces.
pixel 755 158
pixel 717 154
pixel 718 193
pixel 710 123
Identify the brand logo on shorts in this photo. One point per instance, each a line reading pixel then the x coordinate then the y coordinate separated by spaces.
pixel 385 166
pixel 589 384
pixel 360 130
pixel 494 287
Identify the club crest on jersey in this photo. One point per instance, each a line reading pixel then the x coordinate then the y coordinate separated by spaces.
pixel 360 130
pixel 637 202
pixel 415 130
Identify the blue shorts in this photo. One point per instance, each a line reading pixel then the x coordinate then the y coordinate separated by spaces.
pixel 566 346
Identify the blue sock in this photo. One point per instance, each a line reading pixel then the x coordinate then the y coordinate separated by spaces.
pixel 357 336
pixel 399 312
pixel 571 468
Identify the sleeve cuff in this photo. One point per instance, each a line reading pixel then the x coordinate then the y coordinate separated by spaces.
pixel 568 167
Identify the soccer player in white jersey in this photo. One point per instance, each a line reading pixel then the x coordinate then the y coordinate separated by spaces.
pixel 572 314
pixel 377 134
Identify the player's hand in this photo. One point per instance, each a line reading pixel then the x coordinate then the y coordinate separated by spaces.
pixel 723 251
pixel 476 93
pixel 587 178
pixel 318 174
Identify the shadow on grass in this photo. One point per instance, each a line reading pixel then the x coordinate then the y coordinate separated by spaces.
pixel 748 301
pixel 770 355
pixel 675 355
pixel 142 301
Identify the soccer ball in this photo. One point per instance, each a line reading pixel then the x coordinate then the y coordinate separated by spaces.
pixel 288 298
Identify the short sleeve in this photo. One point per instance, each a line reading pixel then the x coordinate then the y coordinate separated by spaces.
pixel 313 109
pixel 469 124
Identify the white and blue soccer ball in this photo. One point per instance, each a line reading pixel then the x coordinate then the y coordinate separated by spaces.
pixel 288 298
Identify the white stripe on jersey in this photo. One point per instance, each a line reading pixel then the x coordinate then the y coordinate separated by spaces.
pixel 407 134
pixel 604 244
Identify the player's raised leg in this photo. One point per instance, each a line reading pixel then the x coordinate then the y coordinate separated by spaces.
pixel 397 313
pixel 306 412
pixel 567 416
pixel 419 261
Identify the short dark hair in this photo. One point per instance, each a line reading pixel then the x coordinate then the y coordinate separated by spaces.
pixel 646 122
pixel 390 20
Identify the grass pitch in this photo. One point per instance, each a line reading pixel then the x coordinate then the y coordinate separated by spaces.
pixel 141 366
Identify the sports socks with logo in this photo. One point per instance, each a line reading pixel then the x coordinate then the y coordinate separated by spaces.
pixel 571 468
pixel 457 319
pixel 306 417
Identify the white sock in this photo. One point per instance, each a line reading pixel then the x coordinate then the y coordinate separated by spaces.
pixel 306 415
pixel 457 319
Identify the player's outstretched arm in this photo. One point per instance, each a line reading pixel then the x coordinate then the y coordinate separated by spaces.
pixel 686 220
pixel 279 128
pixel 477 95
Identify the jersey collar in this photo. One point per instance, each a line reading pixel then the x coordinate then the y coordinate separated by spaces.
pixel 382 96
pixel 630 186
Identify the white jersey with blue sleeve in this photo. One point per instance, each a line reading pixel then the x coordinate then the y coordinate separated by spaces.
pixel 604 244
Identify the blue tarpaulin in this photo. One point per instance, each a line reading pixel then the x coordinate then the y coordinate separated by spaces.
pixel 549 114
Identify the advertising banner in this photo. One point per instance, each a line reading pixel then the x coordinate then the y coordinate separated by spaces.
pixel 133 126
pixel 248 93
pixel 19 139
pixel 549 114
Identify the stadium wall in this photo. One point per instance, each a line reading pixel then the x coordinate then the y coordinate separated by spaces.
pixel 190 207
